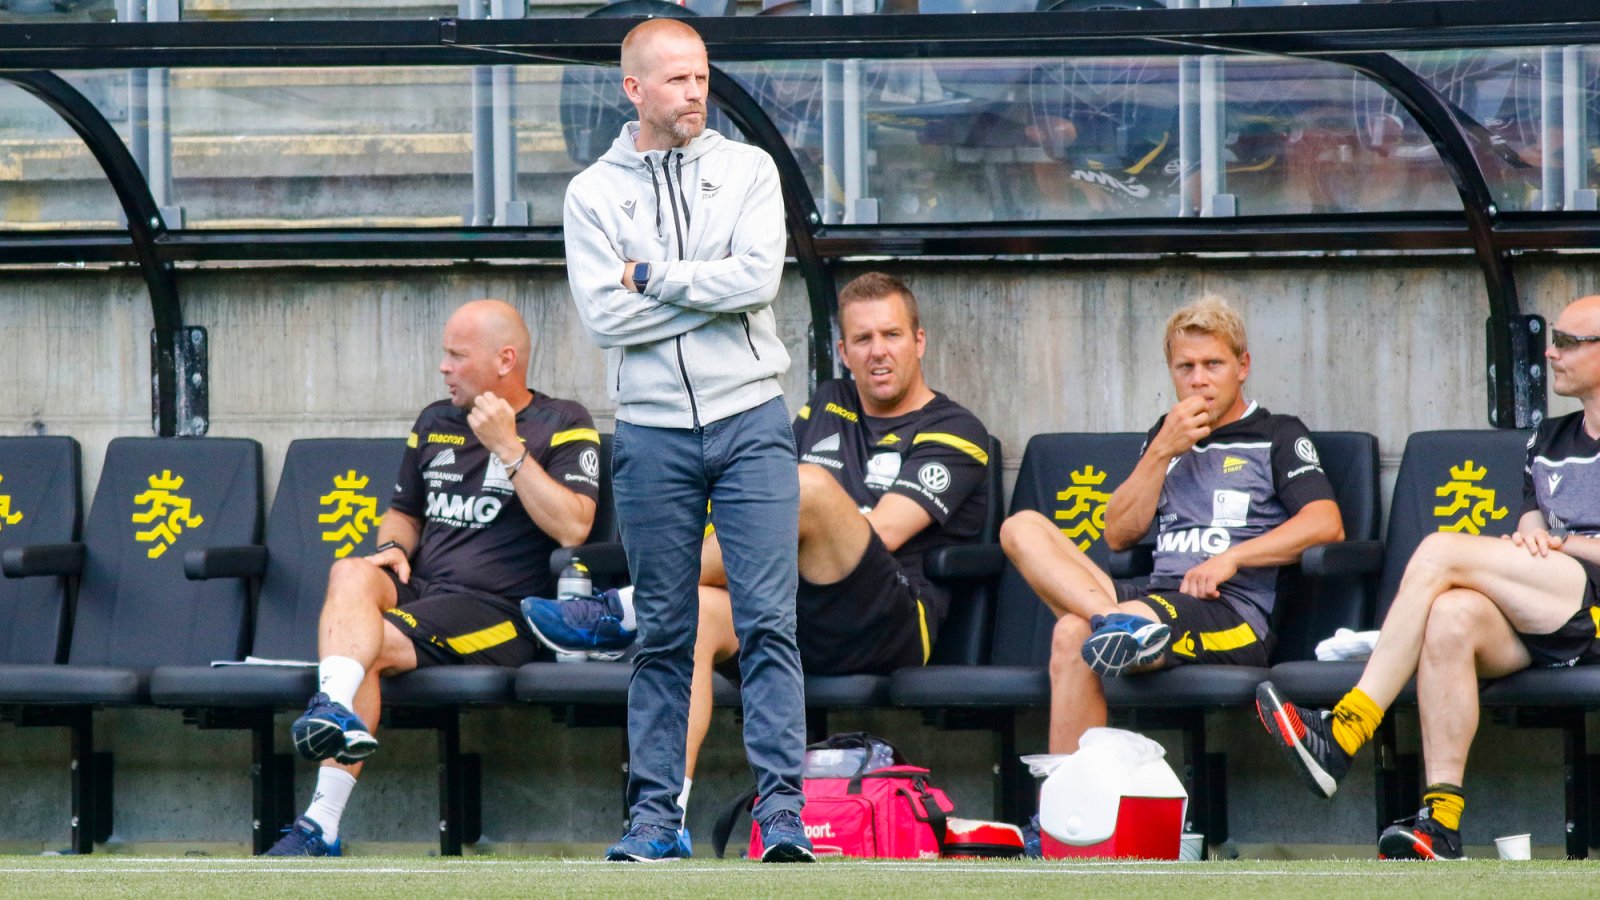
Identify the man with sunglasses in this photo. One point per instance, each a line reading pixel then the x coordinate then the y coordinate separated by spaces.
pixel 1471 607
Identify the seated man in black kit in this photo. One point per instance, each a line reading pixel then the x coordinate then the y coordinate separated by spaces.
pixel 493 480
pixel 1236 493
pixel 1473 607
pixel 889 470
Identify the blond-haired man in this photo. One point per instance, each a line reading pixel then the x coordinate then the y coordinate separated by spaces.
pixel 1236 491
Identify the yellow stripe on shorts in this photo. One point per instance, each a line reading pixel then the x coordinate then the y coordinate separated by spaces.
pixel 478 641
pixel 922 623
pixel 1241 635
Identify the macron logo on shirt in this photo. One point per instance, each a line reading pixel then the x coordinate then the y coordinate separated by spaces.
pixel 627 207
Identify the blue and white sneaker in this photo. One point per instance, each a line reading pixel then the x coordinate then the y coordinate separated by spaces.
pixel 1121 641
pixel 783 839
pixel 685 843
pixel 330 730
pixel 580 624
pixel 304 838
pixel 645 842
pixel 1032 844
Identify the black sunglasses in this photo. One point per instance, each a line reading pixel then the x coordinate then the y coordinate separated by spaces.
pixel 1563 341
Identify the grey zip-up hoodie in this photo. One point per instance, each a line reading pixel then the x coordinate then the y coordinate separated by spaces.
pixel 700 343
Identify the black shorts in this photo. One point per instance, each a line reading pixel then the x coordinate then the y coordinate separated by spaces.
pixel 451 626
pixel 1575 643
pixel 871 622
pixel 1205 632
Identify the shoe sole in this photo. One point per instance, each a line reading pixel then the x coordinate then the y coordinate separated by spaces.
pixel 615 855
pixel 1114 653
pixel 1400 844
pixel 787 853
pixel 1283 723
pixel 317 739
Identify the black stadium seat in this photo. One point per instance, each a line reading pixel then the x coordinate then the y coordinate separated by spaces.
pixel 1468 480
pixel 157 499
pixel 41 490
pixel 330 497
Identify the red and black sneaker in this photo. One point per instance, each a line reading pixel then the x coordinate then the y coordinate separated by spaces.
pixel 1306 736
pixel 1419 837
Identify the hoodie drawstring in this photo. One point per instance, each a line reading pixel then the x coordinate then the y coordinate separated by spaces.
pixel 656 186
pixel 683 191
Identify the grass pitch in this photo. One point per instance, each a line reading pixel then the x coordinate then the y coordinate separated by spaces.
pixel 482 877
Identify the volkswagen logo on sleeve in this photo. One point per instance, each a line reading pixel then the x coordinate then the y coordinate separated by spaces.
pixel 934 476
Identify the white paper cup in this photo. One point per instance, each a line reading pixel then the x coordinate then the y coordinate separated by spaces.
pixel 1191 846
pixel 1514 846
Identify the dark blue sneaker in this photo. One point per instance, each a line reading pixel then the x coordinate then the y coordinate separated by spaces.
pixel 580 624
pixel 646 843
pixel 304 838
pixel 1032 847
pixel 1121 641
pixel 329 730
pixel 783 839
pixel 685 843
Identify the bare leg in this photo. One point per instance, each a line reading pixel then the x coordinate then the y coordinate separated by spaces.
pixel 398 654
pixel 714 643
pixel 1536 595
pixel 833 532
pixel 1077 701
pixel 711 571
pixel 1055 568
pixel 352 611
pixel 1467 638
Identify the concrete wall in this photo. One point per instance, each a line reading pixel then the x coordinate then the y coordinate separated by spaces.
pixel 1389 346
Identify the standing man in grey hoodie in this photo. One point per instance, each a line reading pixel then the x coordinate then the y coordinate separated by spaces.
pixel 675 244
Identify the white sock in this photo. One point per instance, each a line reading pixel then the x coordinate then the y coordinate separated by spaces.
pixel 630 622
pixel 683 798
pixel 327 801
pixel 340 677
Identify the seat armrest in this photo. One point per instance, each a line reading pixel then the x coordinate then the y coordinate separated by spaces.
pixel 964 561
pixel 1138 560
pixel 225 562
pixel 43 559
pixel 1343 558
pixel 604 560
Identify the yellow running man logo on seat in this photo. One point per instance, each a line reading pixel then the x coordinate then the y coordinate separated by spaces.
pixel 170 513
pixel 1086 516
pixel 7 517
pixel 1473 505
pixel 357 512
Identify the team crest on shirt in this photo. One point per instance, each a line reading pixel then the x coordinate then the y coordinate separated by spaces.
pixel 883 469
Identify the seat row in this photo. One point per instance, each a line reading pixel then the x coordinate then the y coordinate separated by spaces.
pixel 171 570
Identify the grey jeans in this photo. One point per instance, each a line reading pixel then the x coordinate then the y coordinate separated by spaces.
pixel 746 466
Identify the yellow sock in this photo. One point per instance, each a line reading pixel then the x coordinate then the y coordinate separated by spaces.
pixel 1446 803
pixel 1355 718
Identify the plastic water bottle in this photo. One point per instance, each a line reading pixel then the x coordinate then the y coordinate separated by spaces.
pixel 574 582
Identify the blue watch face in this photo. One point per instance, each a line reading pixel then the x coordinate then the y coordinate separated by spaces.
pixel 641 274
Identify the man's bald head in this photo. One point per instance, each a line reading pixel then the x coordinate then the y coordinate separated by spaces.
pixel 1575 365
pixel 639 46
pixel 486 348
